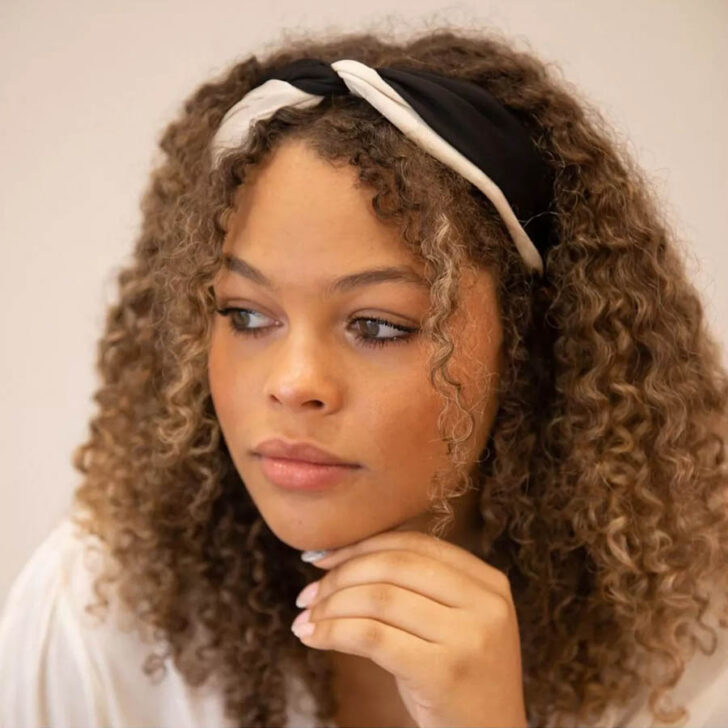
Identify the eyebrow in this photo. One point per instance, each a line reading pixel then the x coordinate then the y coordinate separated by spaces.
pixel 402 273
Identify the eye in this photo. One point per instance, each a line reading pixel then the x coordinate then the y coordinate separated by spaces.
pixel 239 318
pixel 371 324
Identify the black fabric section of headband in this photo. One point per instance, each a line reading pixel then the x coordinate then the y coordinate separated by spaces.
pixel 472 120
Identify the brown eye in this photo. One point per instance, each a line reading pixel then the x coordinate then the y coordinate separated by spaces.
pixel 239 321
pixel 372 325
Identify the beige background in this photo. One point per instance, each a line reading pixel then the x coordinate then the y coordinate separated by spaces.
pixel 86 88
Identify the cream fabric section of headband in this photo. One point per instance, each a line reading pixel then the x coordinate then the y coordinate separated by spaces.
pixel 264 100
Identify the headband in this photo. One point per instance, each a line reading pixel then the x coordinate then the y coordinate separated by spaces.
pixel 456 121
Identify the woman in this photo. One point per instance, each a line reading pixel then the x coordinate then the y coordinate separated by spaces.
pixel 480 378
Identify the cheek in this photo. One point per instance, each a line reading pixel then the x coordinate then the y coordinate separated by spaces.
pixel 225 379
pixel 403 428
pixel 403 422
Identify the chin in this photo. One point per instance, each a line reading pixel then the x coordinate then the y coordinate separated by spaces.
pixel 295 534
pixel 312 536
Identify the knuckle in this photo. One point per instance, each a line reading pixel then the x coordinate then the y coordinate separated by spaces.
pixel 398 560
pixel 503 583
pixel 496 614
pixel 380 597
pixel 458 669
pixel 318 611
pixel 500 610
pixel 329 583
pixel 369 635
pixel 495 619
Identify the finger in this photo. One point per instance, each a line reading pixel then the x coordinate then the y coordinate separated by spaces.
pixel 395 606
pixel 429 577
pixel 394 650
pixel 446 553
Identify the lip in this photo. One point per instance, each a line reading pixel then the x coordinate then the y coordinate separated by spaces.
pixel 303 476
pixel 302 452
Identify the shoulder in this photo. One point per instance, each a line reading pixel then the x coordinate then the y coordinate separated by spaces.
pixel 63 666
pixel 40 657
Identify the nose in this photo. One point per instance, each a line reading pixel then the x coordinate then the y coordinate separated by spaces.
pixel 302 375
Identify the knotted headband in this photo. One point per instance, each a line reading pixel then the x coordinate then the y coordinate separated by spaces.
pixel 456 121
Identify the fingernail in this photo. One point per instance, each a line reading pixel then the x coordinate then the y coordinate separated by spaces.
pixel 310 556
pixel 302 618
pixel 307 594
pixel 304 629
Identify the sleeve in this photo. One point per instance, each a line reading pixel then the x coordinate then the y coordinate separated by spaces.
pixel 46 678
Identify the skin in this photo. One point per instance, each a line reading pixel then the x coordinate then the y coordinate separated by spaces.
pixel 439 620
pixel 304 221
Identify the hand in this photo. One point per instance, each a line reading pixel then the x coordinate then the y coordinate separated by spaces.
pixel 435 616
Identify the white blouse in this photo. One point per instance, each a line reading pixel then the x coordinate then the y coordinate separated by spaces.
pixel 60 667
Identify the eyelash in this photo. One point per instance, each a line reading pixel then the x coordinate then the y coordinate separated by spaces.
pixel 365 341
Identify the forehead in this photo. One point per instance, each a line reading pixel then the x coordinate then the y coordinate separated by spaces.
pixel 304 216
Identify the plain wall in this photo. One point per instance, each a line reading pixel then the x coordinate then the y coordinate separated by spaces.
pixel 87 88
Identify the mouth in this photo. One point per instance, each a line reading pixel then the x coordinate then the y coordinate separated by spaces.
pixel 302 475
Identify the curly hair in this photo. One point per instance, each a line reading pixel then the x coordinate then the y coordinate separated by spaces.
pixel 603 482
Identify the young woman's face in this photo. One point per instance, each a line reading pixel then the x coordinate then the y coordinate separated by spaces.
pixel 308 363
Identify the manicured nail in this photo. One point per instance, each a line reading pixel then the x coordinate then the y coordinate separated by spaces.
pixel 310 556
pixel 304 629
pixel 301 619
pixel 307 594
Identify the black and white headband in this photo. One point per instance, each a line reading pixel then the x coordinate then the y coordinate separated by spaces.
pixel 456 121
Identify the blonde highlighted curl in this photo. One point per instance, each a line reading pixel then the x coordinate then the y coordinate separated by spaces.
pixel 603 483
